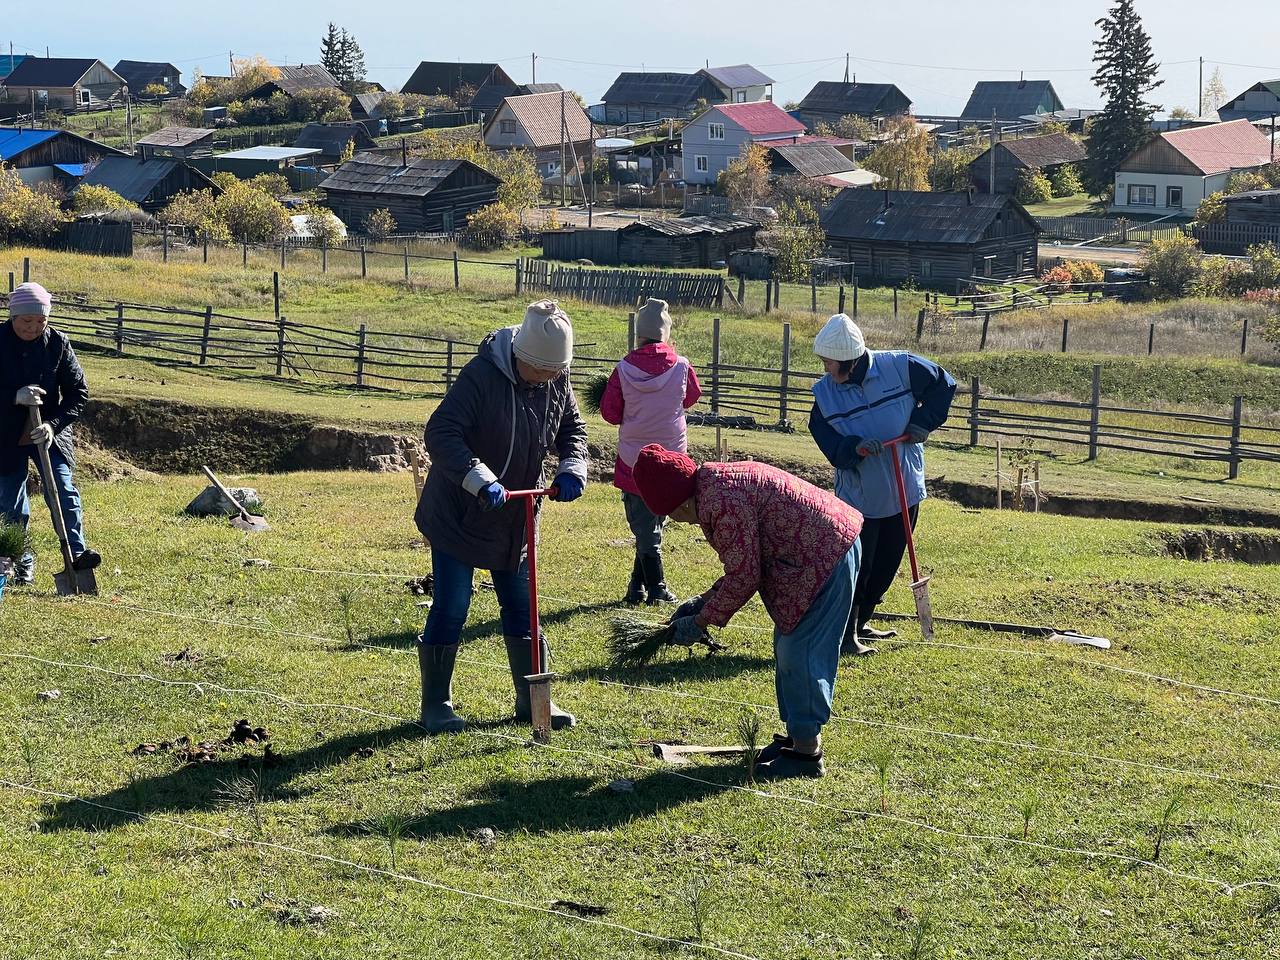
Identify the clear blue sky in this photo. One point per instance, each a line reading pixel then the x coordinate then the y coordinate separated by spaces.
pixel 933 49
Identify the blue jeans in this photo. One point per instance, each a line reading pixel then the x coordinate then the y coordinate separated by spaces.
pixel 808 656
pixel 451 599
pixel 15 506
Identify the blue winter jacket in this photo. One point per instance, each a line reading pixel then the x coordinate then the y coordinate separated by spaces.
pixel 899 388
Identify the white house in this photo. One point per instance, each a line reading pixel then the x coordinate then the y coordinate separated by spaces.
pixel 1260 102
pixel 714 138
pixel 1173 172
pixel 741 83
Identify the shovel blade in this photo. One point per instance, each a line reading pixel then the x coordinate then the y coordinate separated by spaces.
pixel 71 583
pixel 540 705
pixel 250 524
pixel 924 609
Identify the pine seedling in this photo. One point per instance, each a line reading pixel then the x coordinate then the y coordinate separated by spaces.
pixel 28 748
pixel 1171 808
pixel 921 946
pixel 749 733
pixel 346 600
pixel 882 760
pixel 698 904
pixel 393 827
pixel 594 394
pixel 245 792
pixel 1029 807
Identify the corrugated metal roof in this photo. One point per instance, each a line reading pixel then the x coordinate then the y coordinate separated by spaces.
pixel 814 159
pixel 293 80
pixel 50 71
pixel 738 75
pixel 761 118
pixel 132 179
pixel 71 169
pixel 176 137
pixel 331 139
pixel 909 216
pixel 676 90
pixel 692 226
pixel 14 141
pixel 8 61
pixel 860 99
pixel 269 153
pixel 1219 147
pixel 438 77
pixel 139 73
pixel 370 173
pixel 1046 151
pixel 1009 99
pixel 539 115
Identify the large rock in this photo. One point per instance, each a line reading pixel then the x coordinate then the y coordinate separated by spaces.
pixel 211 503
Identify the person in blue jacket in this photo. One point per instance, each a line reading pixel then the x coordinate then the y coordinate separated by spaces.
pixel 866 398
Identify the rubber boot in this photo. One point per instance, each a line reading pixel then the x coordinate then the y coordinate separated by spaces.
pixel 851 643
pixel 520 658
pixel 655 581
pixel 435 663
pixel 772 750
pixel 788 763
pixel 635 590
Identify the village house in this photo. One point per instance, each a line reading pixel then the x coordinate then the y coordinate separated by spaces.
pixel 713 139
pixel 1254 206
pixel 829 100
pixel 291 81
pixel 423 195
pixel 40 155
pixel 8 61
pixel 820 161
pixel 1046 154
pixel 741 83
pixel 248 163
pixel 1174 171
pixel 149 183
pixel 141 74
pixel 1260 102
pixel 179 143
pixel 334 139
pixel 699 241
pixel 458 81
pixel 534 122
pixel 69 84
pixel 929 238
pixel 489 97
pixel 645 97
pixel 1010 100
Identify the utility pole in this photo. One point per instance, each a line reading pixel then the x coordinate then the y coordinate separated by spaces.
pixel 1273 138
pixel 591 205
pixel 1200 91
pixel 231 62
pixel 846 67
pixel 991 157
pixel 533 68
pixel 563 160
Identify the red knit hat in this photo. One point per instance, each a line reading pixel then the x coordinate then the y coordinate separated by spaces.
pixel 664 477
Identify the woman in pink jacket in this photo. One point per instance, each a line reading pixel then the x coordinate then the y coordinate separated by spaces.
pixel 646 397
pixel 795 545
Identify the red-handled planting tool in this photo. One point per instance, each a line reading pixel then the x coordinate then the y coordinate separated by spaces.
pixel 539 681
pixel 919 584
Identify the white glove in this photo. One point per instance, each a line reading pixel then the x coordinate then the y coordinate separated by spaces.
pixel 42 435
pixel 29 396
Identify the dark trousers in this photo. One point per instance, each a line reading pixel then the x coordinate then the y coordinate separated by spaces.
pixel 883 544
pixel 646 527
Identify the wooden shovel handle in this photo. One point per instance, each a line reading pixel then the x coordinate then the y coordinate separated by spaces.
pixel 235 504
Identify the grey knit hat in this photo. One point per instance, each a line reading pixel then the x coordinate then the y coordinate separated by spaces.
pixel 653 322
pixel 545 339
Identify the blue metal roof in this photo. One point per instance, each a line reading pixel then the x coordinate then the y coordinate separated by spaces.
pixel 14 141
pixel 72 169
pixel 8 62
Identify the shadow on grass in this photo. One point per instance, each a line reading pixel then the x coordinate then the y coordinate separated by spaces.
pixel 676 667
pixel 557 804
pixel 196 787
pixel 407 637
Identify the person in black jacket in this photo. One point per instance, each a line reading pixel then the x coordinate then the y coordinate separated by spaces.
pixel 509 408
pixel 38 368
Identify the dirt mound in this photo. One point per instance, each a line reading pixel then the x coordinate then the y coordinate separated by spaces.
pixel 1231 545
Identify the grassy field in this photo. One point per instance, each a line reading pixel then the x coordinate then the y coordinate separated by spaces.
pixel 460 846
pixel 1078 205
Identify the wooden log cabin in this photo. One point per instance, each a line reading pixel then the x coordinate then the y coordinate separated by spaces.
pixel 933 239
pixel 423 195
pixel 664 242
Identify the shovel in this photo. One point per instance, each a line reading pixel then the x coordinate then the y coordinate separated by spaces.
pixel 919 584
pixel 539 681
pixel 243 519
pixel 70 582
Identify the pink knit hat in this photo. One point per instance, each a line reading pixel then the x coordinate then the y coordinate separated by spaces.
pixel 664 478
pixel 28 299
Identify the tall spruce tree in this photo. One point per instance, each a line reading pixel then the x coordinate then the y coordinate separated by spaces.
pixel 331 51
pixel 353 68
pixel 1126 73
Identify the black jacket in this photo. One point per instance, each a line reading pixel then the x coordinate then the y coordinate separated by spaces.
pixel 49 363
pixel 492 425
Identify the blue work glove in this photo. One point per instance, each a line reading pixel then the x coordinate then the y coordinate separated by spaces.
pixel 870 448
pixel 690 608
pixel 687 631
pixel 916 433
pixel 568 487
pixel 493 496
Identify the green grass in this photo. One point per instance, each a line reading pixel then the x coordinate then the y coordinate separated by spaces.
pixel 760 874
pixel 1078 205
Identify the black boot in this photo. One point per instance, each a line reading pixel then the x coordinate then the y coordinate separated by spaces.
pixel 655 582
pixel 851 643
pixel 635 590
pixel 435 664
pixel 520 658
pixel 89 560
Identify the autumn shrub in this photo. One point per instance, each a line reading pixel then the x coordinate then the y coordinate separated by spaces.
pixel 25 214
pixel 1057 279
pixel 1173 264
pixel 1084 271
pixel 92 198
pixel 1065 181
pixel 380 224
pixel 492 226
pixel 1033 186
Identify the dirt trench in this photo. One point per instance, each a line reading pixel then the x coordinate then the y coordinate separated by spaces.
pixel 1230 545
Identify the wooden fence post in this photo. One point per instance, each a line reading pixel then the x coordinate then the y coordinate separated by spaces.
pixel 275 291
pixel 406 263
pixel 519 273
pixel 840 300
pixel 1095 399
pixel 920 324
pixel 715 366
pixel 742 290
pixel 777 294
pixel 204 251
pixel 855 297
pixel 720 285
pixel 164 241
pixel 280 321
pixel 631 332
pixel 975 393
pixel 1244 337
pixel 324 255
pixel 282 249
pixel 448 363
pixel 244 253
pixel 785 382
pixel 204 335
pixel 1066 326
pixel 119 329
pixel 1233 465
pixel 813 291
pixel 895 301
pixel 986 322
pixel 364 269
pixel 26 269
pixel 768 294
pixel 360 345
pixel 457 283
pixel 1151 338
pixel 11 281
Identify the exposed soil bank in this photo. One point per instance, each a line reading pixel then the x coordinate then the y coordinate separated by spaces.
pixel 1224 545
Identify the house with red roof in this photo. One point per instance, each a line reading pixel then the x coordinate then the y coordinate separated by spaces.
pixel 1173 172
pixel 715 137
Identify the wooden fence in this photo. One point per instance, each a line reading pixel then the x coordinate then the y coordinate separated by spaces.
pixel 1105 230
pixel 760 396
pixel 622 287
pixel 1234 238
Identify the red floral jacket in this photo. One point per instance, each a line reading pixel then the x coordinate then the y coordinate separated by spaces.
pixel 775 534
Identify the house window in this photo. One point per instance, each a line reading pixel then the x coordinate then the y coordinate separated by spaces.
pixel 1142 195
pixel 1173 198
pixel 85 97
pixel 700 164
pixel 715 131
pixel 507 126
pixel 926 269
pixel 742 96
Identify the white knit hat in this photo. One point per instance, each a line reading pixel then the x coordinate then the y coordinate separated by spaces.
pixel 545 339
pixel 839 339
pixel 653 321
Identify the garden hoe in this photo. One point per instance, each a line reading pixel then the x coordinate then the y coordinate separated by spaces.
pixel 919 584
pixel 70 582
pixel 242 519
pixel 539 680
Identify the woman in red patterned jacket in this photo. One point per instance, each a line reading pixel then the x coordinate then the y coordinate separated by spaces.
pixel 791 542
